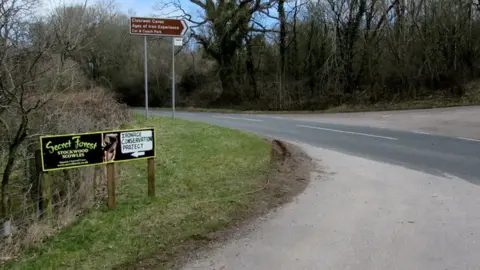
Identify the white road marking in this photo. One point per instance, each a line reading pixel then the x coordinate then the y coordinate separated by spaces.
pixel 348 132
pixel 387 115
pixel 238 118
pixel 421 132
pixel 449 176
pixel 468 139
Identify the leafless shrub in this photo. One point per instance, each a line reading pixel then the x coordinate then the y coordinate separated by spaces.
pixel 43 90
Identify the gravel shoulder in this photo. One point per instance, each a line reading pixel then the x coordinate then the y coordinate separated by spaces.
pixel 454 121
pixel 362 214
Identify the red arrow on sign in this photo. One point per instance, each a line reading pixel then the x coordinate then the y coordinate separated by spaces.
pixel 157 27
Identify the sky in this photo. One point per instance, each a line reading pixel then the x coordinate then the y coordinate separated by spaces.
pixel 139 8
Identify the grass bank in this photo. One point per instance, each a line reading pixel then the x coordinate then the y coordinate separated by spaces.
pixel 406 105
pixel 208 178
pixel 471 97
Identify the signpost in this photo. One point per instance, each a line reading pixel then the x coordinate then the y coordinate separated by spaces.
pixel 158 27
pixel 175 42
pixel 145 70
pixel 67 151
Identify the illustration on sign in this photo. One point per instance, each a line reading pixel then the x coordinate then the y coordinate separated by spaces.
pixel 88 149
pixel 109 145
pixel 157 27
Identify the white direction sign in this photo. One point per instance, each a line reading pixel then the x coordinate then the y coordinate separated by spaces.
pixel 136 142
pixel 178 41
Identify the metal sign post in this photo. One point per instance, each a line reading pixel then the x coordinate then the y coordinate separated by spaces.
pixel 175 42
pixel 159 27
pixel 173 78
pixel 146 75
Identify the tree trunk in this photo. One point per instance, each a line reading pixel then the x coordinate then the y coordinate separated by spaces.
pixel 296 69
pixel 309 65
pixel 251 70
pixel 283 35
pixel 351 38
pixel 229 96
pixel 7 171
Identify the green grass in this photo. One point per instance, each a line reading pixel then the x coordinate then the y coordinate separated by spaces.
pixel 205 175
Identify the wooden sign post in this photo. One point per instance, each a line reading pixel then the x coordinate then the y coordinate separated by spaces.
pixel 111 185
pixel 151 177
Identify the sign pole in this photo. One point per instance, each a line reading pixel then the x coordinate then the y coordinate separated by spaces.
pixel 151 176
pixel 146 75
pixel 173 78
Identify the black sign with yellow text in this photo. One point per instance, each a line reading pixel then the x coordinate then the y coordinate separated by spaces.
pixel 95 148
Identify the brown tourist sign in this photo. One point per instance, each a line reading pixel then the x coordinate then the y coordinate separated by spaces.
pixel 157 27
pixel 175 28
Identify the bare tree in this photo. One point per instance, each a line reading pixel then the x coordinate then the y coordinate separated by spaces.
pixel 33 72
pixel 221 31
pixel 283 49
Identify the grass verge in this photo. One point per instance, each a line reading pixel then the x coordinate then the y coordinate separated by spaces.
pixel 471 97
pixel 208 178
pixel 406 105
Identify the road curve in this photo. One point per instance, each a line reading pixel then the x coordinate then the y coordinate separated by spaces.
pixel 433 154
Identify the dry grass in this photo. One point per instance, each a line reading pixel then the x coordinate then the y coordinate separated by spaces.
pixel 74 190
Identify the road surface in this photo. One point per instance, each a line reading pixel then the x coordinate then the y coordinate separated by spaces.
pixel 454 121
pixel 383 199
pixel 359 214
pixel 433 154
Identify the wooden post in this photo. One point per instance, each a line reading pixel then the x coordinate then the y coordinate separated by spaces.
pixel 44 189
pixel 39 184
pixel 47 195
pixel 111 185
pixel 151 177
pixel 94 182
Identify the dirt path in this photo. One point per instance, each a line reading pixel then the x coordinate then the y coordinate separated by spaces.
pixel 362 214
pixel 455 121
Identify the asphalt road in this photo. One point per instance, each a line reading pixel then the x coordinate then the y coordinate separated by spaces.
pixel 434 154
